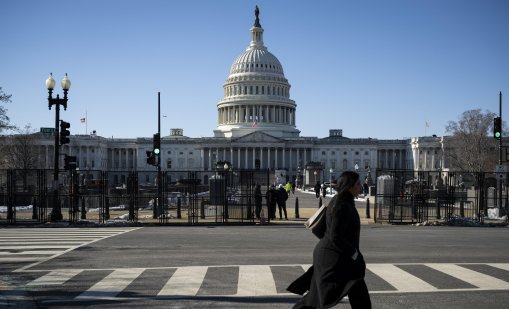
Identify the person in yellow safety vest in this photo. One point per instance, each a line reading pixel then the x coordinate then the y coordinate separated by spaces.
pixel 288 187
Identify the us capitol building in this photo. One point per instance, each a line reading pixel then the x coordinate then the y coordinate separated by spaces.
pixel 256 129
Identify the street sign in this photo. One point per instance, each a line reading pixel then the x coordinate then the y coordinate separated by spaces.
pixel 47 130
pixel 500 170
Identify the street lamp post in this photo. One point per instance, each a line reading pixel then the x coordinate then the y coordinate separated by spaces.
pixel 330 180
pixel 315 173
pixel 298 175
pixel 56 212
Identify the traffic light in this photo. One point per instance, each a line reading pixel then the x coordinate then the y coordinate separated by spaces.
pixel 70 162
pixel 157 144
pixel 64 132
pixel 497 127
pixel 151 158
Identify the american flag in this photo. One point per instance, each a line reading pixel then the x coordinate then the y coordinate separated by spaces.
pixel 82 120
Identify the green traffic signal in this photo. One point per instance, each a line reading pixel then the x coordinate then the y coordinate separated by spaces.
pixel 497 127
pixel 157 144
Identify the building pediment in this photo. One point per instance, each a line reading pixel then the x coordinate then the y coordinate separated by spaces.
pixel 257 137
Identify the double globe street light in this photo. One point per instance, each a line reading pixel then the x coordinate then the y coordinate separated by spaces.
pixel 56 212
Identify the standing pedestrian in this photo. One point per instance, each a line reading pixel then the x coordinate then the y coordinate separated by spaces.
pixel 324 190
pixel 258 200
pixel 270 196
pixel 317 189
pixel 338 266
pixel 288 187
pixel 282 196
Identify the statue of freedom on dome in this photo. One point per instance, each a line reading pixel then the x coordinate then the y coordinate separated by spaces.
pixel 257 20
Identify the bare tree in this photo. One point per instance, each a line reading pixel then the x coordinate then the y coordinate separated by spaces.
pixel 4 119
pixel 19 152
pixel 471 148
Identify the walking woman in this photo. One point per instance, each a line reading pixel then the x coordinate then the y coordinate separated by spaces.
pixel 338 266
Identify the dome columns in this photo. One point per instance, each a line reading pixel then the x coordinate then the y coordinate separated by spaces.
pixel 248 114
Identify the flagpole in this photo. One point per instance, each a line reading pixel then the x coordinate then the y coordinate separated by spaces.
pixel 86 122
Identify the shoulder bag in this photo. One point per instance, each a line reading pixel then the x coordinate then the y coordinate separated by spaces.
pixel 316 223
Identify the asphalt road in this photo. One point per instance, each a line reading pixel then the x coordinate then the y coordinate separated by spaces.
pixel 248 267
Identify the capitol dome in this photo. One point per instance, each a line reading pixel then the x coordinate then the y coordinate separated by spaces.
pixel 256 94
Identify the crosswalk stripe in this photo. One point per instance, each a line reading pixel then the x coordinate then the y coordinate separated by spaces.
pixel 113 284
pixel 56 277
pixel 186 281
pixel 400 279
pixel 503 266
pixel 475 278
pixel 19 259
pixel 37 252
pixel 256 280
pixel 49 246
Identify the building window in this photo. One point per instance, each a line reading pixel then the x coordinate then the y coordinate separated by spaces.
pixel 323 153
pixel 333 153
pixel 366 153
pixel 356 153
pixel 344 153
pixel 169 152
pixel 190 152
pixel 168 164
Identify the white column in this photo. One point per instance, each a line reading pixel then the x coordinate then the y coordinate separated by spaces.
pixel 202 159
pixel 276 166
pixel 284 163
pixel 210 159
pixel 268 158
pixel 246 164
pixel 261 157
pixel 238 157
pixel 231 156
pixel 254 157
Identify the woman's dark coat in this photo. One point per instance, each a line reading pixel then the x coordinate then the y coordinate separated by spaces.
pixel 333 271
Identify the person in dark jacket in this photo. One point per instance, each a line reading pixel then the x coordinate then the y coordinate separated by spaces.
pixel 317 189
pixel 338 266
pixel 282 196
pixel 258 200
pixel 324 190
pixel 270 195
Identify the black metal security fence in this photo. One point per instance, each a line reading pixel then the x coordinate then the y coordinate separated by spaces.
pixel 188 197
pixel 407 196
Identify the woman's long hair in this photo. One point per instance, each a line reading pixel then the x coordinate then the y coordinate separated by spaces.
pixel 345 182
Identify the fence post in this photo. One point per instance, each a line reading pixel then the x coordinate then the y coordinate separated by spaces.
pixel 34 208
pixel 368 216
pixel 297 215
pixel 179 215
pixel 83 210
pixel 438 209
pixel 202 208
pixel 462 209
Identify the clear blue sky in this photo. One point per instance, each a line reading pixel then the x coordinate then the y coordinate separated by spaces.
pixel 373 68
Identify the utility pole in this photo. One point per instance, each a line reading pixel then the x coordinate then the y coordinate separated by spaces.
pixel 159 176
pixel 500 150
